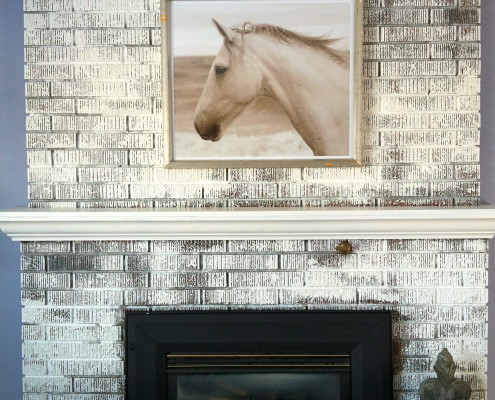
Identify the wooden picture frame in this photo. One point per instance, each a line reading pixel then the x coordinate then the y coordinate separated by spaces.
pixel 251 83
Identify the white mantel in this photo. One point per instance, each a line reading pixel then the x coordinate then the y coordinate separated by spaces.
pixel 24 224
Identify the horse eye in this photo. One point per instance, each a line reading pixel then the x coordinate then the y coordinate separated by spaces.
pixel 220 70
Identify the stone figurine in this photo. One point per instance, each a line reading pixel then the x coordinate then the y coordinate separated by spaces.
pixel 444 386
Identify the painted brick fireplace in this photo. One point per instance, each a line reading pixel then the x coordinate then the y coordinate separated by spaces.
pixel 428 266
pixel 91 252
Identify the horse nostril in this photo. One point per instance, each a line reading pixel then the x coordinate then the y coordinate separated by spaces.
pixel 196 127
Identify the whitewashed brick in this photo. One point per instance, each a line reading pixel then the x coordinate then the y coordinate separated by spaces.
pixel 455 16
pixel 418 68
pixel 143 55
pixel 110 5
pixel 50 106
pixel 84 298
pixel 44 71
pixel 110 280
pixel 87 367
pixel 47 384
pixel 241 296
pixel 188 246
pixel 187 279
pixel 35 21
pixel 157 297
pixel 113 36
pixel 88 88
pixel 47 5
pixel 45 281
pixel 110 71
pixel 98 385
pixel 87 19
pixel 272 246
pixel 89 123
pixel 138 20
pixel 395 16
pixel 318 296
pixel 87 157
pixel 418 33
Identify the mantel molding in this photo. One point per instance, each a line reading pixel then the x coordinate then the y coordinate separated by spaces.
pixel 24 224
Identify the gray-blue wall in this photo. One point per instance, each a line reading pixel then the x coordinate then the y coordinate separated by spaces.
pixel 13 183
pixel 13 191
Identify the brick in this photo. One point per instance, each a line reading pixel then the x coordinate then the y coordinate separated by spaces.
pixel 89 123
pixel 111 246
pixel 47 384
pixel 265 279
pixel 178 191
pixel 318 296
pixel 47 5
pixel 46 281
pixel 395 51
pixel 241 191
pixel 110 280
pixel 109 71
pixel 418 33
pixel 395 16
pixel 114 106
pixel 187 279
pixel 46 315
pixel 318 261
pixel 241 296
pixel 98 385
pixel 241 261
pixel 89 367
pixel 111 5
pixel 87 157
pixel 50 71
pixel 188 246
pixel 418 68
pixel 84 298
pixel 125 37
pixel 138 20
pixel 452 16
pixel 75 19
pixel 255 246
pixel 88 88
pixel 395 86
pixel 51 140
pixel 161 297
pixel 343 278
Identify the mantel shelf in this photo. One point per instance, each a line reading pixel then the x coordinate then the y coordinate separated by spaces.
pixel 24 224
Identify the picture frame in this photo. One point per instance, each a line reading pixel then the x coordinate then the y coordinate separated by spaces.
pixel 256 83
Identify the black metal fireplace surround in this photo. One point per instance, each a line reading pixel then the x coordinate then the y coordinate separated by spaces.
pixel 259 355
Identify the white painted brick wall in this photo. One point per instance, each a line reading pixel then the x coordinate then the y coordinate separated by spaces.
pixel 75 295
pixel 94 98
pixel 93 88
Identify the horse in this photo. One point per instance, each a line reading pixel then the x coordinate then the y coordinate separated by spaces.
pixel 308 77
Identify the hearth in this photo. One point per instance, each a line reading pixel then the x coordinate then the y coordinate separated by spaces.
pixel 259 355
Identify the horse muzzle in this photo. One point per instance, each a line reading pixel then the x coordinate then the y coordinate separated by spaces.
pixel 212 132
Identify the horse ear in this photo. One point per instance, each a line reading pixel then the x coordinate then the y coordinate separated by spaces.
pixel 227 33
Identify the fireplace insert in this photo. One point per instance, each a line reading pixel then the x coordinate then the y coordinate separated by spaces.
pixel 259 355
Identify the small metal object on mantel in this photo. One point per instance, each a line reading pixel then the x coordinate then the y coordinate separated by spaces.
pixel 344 247
pixel 444 386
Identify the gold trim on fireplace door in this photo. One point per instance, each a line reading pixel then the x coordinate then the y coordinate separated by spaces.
pixel 261 365
pixel 175 356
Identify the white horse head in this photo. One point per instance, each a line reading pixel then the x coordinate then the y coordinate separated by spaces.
pixel 305 75
pixel 233 82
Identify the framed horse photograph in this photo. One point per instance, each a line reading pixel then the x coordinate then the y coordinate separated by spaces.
pixel 257 83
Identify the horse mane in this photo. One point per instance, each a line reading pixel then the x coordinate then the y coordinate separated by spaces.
pixel 286 36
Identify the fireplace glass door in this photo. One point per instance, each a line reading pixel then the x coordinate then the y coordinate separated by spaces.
pixel 258 377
